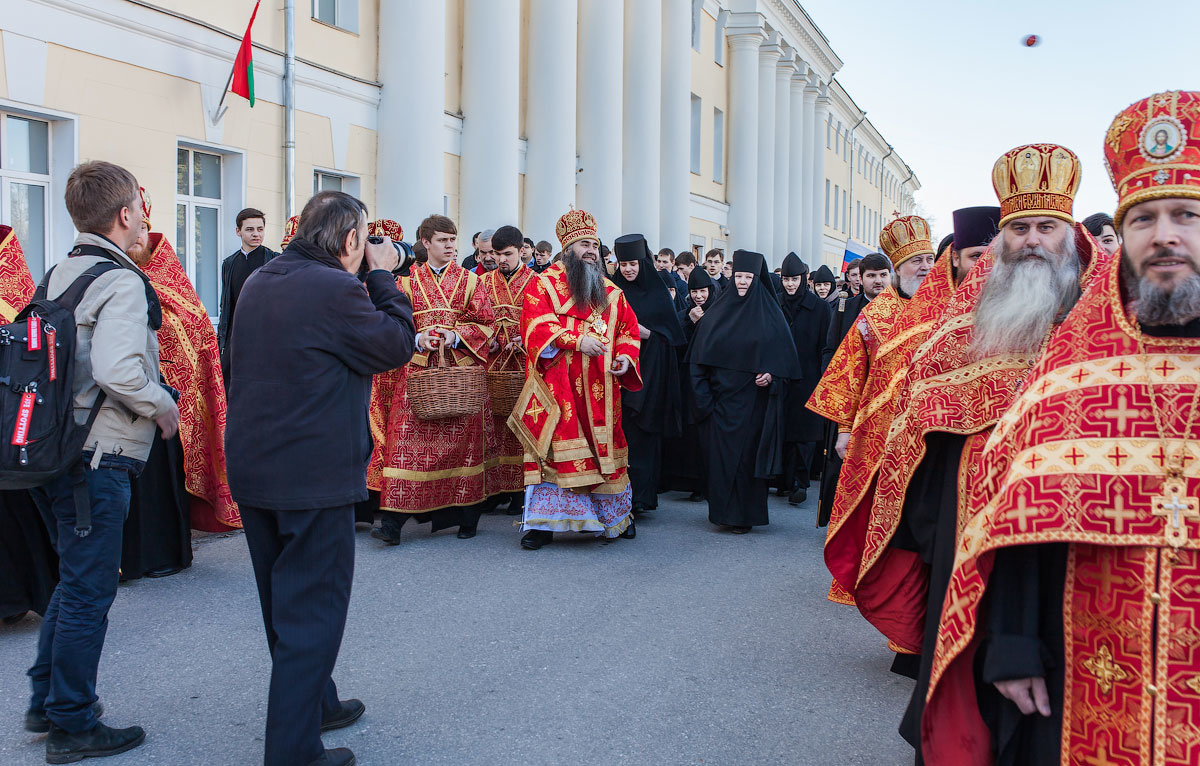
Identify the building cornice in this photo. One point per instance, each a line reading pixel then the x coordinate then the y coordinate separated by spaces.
pixel 788 17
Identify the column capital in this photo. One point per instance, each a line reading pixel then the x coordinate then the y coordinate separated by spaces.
pixel 787 64
pixel 770 50
pixel 745 30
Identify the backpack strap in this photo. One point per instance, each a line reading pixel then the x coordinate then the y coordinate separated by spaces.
pixel 83 501
pixel 71 297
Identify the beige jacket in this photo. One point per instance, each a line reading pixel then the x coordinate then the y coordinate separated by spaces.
pixel 115 350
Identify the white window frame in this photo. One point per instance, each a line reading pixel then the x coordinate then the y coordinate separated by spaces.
pixel 719 38
pixel 697 118
pixel 826 201
pixel 345 15
pixel 697 9
pixel 232 201
pixel 43 180
pixel 718 146
pixel 351 184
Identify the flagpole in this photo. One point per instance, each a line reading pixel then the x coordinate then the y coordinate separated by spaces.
pixel 218 113
pixel 289 102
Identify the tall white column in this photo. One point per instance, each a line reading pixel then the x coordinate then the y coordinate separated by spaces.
pixel 676 124
pixel 768 59
pixel 642 126
pixel 744 36
pixel 549 125
pixel 783 154
pixel 821 113
pixel 599 109
pixel 411 133
pixel 491 95
pixel 814 146
pixel 797 182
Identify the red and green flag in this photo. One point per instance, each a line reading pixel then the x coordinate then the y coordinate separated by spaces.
pixel 241 81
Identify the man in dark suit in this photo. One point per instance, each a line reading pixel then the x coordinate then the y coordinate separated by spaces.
pixel 310 339
pixel 235 270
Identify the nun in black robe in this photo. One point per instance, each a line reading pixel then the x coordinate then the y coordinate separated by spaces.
pixel 683 458
pixel 808 318
pixel 742 358
pixel 653 413
pixel 28 561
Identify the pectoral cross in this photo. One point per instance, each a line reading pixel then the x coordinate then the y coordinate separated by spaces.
pixel 1176 508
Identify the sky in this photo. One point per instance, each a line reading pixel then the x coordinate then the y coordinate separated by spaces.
pixel 952 86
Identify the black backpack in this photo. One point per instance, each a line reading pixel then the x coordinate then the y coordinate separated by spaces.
pixel 37 413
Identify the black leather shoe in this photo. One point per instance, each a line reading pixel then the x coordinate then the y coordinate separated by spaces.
pixel 38 722
pixel 798 497
pixel 739 530
pixel 98 742
pixel 466 533
pixel 351 711
pixel 339 756
pixel 534 539
pixel 695 497
pixel 379 533
pixel 164 572
pixel 630 531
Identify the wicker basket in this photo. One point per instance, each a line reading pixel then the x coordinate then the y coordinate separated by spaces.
pixel 446 390
pixel 504 387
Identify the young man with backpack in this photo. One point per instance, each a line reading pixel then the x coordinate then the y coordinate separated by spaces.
pixel 117 396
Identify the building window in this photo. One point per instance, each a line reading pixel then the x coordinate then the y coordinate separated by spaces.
pixel 857 220
pixel 25 186
pixel 324 180
pixel 719 38
pixel 718 146
pixel 837 193
pixel 826 201
pixel 828 131
pixel 342 14
pixel 837 139
pixel 696 118
pixel 697 7
pixel 198 222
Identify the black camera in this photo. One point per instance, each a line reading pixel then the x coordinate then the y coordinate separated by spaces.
pixel 403 250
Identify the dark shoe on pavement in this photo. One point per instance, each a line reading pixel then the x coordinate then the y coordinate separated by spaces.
pixel 351 710
pixel 695 497
pixel 798 497
pixel 739 530
pixel 536 538
pixel 98 742
pixel 466 533
pixel 38 722
pixel 379 533
pixel 339 756
pixel 630 531
pixel 164 572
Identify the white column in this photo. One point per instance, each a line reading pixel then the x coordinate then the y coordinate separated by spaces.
pixel 676 124
pixel 549 118
pixel 768 59
pixel 814 146
pixel 744 36
pixel 491 95
pixel 642 126
pixel 797 181
pixel 411 133
pixel 783 154
pixel 598 103
pixel 821 113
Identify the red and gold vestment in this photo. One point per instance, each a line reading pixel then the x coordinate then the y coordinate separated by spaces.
pixel 569 416
pixel 191 363
pixel 1082 458
pixel 424 465
pixel 16 283
pixel 505 471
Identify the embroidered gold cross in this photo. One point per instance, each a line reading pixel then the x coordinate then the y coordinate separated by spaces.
pixel 1176 508
pixel 1021 513
pixel 1106 671
pixel 535 408
pixel 1122 413
pixel 1119 514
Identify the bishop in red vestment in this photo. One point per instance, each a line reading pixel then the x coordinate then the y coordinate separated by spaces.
pixel 582 344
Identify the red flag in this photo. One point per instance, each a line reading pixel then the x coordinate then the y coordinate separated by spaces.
pixel 242 82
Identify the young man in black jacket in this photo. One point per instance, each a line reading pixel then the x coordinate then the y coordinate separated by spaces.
pixel 235 270
pixel 310 338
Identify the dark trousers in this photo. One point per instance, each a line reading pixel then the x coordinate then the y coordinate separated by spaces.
pixel 796 459
pixel 304 565
pixel 72 635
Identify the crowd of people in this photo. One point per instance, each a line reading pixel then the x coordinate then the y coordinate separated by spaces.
pixel 1002 427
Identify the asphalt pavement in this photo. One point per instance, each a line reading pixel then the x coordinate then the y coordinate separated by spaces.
pixel 687 645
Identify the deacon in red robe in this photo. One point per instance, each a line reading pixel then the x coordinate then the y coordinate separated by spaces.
pixel 505 286
pixel 582 344
pixel 434 470
pixel 1073 611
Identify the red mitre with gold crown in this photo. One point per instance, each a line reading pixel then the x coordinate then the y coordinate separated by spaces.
pixel 1036 180
pixel 574 226
pixel 289 231
pixel 905 237
pixel 386 227
pixel 1152 150
pixel 146 205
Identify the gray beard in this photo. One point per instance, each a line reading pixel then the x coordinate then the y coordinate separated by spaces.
pixel 1021 300
pixel 910 286
pixel 586 281
pixel 1156 306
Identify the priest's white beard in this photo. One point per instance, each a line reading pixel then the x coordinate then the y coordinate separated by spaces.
pixel 585 279
pixel 1023 296
pixel 909 286
pixel 1157 306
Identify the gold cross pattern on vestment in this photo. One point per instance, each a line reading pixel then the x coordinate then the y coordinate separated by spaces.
pixel 1176 508
pixel 535 408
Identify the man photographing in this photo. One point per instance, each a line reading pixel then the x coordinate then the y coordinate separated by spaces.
pixel 309 339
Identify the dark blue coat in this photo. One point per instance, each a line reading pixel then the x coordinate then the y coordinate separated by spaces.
pixel 307 338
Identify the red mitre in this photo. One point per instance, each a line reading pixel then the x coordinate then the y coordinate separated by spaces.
pixel 386 227
pixel 574 226
pixel 1036 180
pixel 289 231
pixel 1152 150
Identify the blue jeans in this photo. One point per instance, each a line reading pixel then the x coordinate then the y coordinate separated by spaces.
pixel 72 636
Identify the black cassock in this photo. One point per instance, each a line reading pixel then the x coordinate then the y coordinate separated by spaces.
pixel 683 457
pixel 808 318
pixel 844 315
pixel 158 532
pixel 28 561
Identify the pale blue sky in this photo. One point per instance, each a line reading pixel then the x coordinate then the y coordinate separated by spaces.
pixel 950 85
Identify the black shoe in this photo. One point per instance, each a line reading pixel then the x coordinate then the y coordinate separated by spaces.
pixel 351 711
pixel 64 747
pixel 739 530
pixel 695 497
pixel 164 572
pixel 13 619
pixel 798 497
pixel 379 533
pixel 466 533
pixel 630 531
pixel 339 756
pixel 38 722
pixel 534 539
